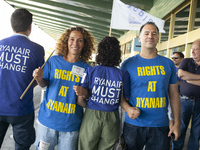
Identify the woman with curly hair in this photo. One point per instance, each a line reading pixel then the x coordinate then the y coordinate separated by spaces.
pixel 100 126
pixel 59 116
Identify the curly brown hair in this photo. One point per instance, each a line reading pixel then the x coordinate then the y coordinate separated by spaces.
pixel 86 53
pixel 109 53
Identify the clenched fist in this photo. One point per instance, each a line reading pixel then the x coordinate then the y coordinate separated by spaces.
pixel 133 112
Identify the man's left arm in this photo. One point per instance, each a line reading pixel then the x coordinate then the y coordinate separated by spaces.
pixel 194 82
pixel 185 75
pixel 176 109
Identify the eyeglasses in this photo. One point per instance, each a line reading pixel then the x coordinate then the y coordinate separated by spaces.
pixel 175 57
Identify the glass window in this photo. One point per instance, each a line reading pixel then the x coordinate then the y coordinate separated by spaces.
pixel 178 49
pixel 164 36
pixel 163 53
pixel 128 47
pixel 197 17
pixel 181 21
pixel 122 48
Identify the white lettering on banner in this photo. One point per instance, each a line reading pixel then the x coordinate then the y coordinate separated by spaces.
pixel 131 18
pixel 106 82
pixel 143 16
pixel 13 67
pixel 103 91
pixel 106 91
pixel 105 100
pixel 14 58
pixel 22 51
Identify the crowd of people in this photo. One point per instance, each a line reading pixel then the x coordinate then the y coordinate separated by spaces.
pixel 80 106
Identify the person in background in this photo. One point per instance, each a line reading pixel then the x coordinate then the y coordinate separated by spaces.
pixel 100 126
pixel 189 72
pixel 177 57
pixel 59 116
pixel 19 57
pixel 152 81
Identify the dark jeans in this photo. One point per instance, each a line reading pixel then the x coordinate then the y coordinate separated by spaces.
pixel 189 108
pixel 153 138
pixel 23 130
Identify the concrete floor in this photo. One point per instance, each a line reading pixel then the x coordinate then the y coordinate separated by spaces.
pixel 8 143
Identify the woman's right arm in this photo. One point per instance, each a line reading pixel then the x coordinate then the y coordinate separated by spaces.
pixel 38 75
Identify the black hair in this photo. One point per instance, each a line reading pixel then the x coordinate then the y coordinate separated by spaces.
pixel 21 20
pixel 109 53
pixel 179 53
pixel 152 23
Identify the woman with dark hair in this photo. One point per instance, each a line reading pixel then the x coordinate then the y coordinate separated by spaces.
pixel 59 116
pixel 109 53
pixel 100 125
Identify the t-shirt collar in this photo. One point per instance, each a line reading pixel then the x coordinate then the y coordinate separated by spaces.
pixel 18 34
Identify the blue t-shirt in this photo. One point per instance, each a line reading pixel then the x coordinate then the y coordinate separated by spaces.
pixel 178 79
pixel 149 83
pixel 105 84
pixel 59 110
pixel 18 58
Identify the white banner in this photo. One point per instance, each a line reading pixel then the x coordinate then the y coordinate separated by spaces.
pixel 127 17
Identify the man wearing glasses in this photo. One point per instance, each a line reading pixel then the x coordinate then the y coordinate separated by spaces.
pixel 177 57
pixel 189 72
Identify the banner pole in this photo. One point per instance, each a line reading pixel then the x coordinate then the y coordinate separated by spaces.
pixel 110 31
pixel 34 78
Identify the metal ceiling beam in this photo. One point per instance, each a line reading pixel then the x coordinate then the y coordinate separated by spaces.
pixel 67 14
pixel 54 16
pixel 99 5
pixel 142 4
pixel 101 30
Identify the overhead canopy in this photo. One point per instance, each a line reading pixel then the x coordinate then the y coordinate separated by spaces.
pixel 54 16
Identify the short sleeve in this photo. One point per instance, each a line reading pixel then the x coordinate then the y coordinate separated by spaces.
pixel 46 71
pixel 173 78
pixel 85 80
pixel 41 59
pixel 183 65
pixel 126 84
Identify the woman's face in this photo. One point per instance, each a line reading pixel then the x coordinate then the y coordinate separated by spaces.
pixel 75 43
